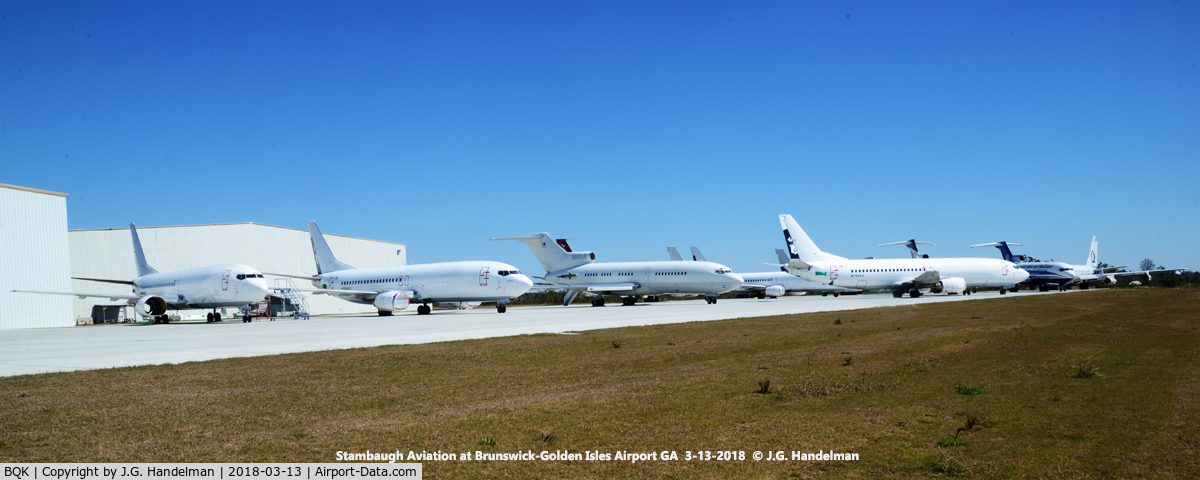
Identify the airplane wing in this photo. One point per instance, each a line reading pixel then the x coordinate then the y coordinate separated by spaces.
pixel 110 296
pixel 926 279
pixel 302 277
pixel 105 280
pixel 1147 273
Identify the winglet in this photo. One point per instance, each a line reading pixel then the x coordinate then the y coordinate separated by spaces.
pixel 143 268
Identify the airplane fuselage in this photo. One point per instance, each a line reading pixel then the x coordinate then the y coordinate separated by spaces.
pixel 1048 273
pixel 789 282
pixel 886 274
pixel 205 287
pixel 652 278
pixel 468 281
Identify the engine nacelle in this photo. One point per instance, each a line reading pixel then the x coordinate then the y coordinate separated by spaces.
pixel 950 285
pixel 1110 279
pixel 391 301
pixel 775 291
pixel 151 306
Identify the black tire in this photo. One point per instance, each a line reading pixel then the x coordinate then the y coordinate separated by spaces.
pixel 209 318
pixel 1003 291
pixel 501 308
pixel 835 294
pixel 385 313
pixel 897 293
pixel 824 294
pixel 217 316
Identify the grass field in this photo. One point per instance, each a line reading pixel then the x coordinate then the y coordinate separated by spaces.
pixel 1081 385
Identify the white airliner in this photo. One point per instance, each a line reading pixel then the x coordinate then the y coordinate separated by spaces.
pixel 903 275
pixel 575 272
pixel 192 289
pixel 770 284
pixel 393 288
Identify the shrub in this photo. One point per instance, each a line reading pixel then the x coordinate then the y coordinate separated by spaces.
pixel 616 344
pixel 948 466
pixel 838 321
pixel 849 360
pixel 1085 369
pixel 969 390
pixel 489 441
pixel 764 386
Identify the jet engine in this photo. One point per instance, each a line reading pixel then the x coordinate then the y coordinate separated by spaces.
pixel 774 291
pixel 1110 279
pixel 949 285
pixel 151 306
pixel 391 300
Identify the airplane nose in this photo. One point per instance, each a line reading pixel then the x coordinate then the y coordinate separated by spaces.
pixel 523 283
pixel 1022 275
pixel 737 280
pixel 259 288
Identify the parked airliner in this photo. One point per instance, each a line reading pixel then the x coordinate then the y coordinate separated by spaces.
pixel 906 275
pixel 575 272
pixel 391 289
pixel 1062 275
pixel 195 288
pixel 770 284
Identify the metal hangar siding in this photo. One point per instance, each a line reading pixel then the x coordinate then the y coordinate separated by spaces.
pixel 108 253
pixel 34 255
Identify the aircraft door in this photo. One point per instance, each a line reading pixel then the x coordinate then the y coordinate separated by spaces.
pixel 225 282
pixel 833 271
pixel 483 276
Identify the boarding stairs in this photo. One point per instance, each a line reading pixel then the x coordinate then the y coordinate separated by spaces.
pixel 292 297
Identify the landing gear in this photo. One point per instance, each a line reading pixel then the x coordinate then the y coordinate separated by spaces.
pixel 217 317
pixel 895 293
pixel 711 299
pixel 423 310
pixel 627 301
pixel 1003 290
pixel 835 294
pixel 385 313
pixel 210 317
pixel 914 293
pixel 598 301
pixel 824 294
pixel 501 308
pixel 162 319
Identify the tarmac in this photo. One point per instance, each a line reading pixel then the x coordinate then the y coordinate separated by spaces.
pixel 41 350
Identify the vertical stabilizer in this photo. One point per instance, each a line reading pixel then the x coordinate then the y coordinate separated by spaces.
pixel 322 254
pixel 551 254
pixel 675 256
pixel 143 268
pixel 800 247
pixel 1093 255
pixel 783 258
pixel 697 256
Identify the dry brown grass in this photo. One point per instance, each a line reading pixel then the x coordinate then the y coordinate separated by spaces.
pixel 681 387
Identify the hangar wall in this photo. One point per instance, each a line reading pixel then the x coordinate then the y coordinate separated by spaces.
pixel 34 256
pixel 108 253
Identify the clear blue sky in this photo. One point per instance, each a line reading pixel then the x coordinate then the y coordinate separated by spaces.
pixel 626 126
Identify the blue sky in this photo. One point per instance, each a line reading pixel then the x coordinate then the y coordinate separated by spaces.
pixel 625 126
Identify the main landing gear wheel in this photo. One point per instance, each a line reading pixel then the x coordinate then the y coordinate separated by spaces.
pixel 385 313
pixel 711 300
pixel 217 316
pixel 896 293
pixel 915 293
pixel 598 302
pixel 501 308
pixel 210 317
pixel 423 310
pixel 1003 290
pixel 824 294
pixel 627 301
pixel 835 294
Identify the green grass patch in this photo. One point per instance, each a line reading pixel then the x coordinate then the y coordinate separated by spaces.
pixel 681 387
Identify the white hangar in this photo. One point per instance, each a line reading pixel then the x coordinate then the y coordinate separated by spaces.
pixel 33 233
pixel 108 254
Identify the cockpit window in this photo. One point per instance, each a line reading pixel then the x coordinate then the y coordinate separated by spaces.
pixel 241 277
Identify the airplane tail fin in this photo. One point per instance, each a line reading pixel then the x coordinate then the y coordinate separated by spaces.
pixel 322 254
pixel 675 256
pixel 551 254
pixel 1005 253
pixel 697 256
pixel 800 247
pixel 142 267
pixel 912 247
pixel 1093 254
pixel 783 258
